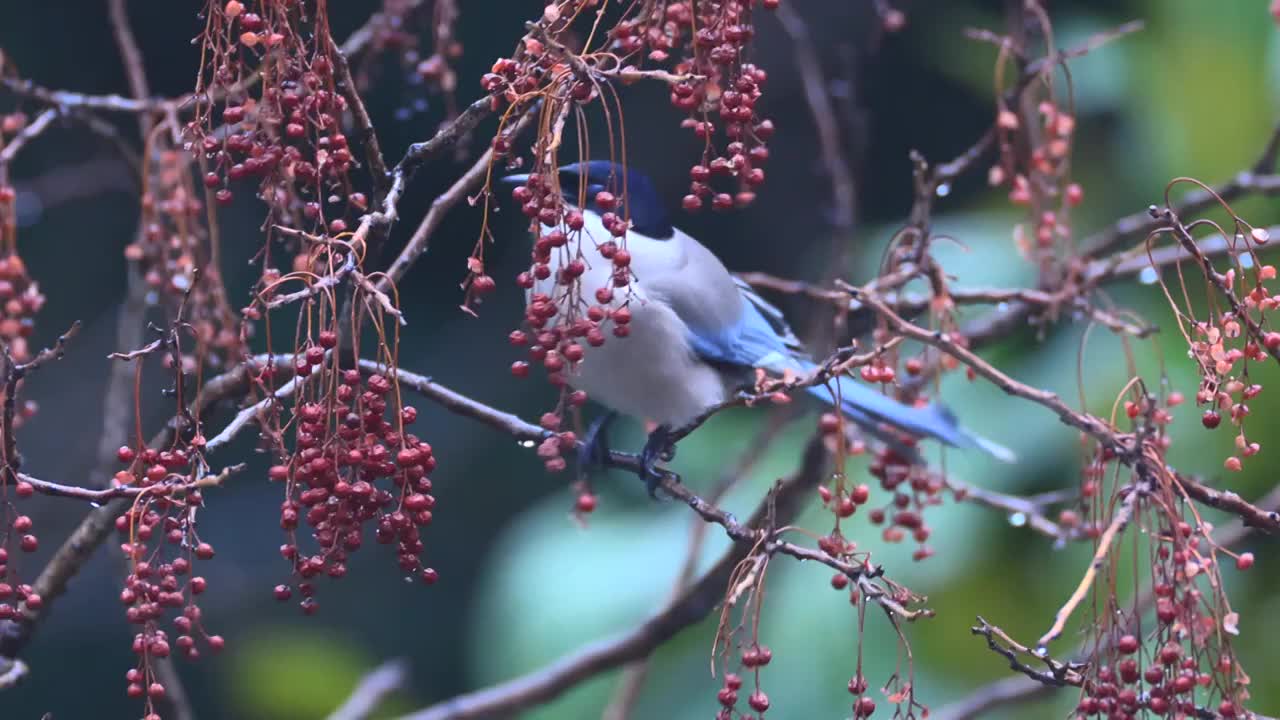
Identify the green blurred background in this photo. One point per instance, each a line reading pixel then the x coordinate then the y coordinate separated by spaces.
pixel 1195 93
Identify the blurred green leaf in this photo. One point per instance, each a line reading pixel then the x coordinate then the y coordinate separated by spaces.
pixel 305 674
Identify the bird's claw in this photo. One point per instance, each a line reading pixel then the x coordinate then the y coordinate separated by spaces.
pixel 593 451
pixel 658 447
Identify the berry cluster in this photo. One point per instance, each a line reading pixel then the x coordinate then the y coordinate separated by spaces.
pixel 22 299
pixel 559 321
pixel 283 134
pixel 351 468
pixel 175 254
pixel 162 546
pixel 1226 343
pixel 912 486
pixel 1186 660
pixel 18 536
pixel 706 42
pixel 752 659
pixel 1038 180
pixel 727 696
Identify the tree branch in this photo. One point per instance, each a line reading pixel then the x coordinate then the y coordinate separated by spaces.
pixel 692 605
pixel 372 689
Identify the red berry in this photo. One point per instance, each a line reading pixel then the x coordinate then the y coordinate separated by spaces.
pixel 758 701
pixel 727 697
pixel 1074 194
pixel 1245 561
pixel 586 503
pixel 1127 644
pixel 125 454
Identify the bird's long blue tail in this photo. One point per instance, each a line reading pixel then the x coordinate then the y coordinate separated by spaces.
pixel 870 408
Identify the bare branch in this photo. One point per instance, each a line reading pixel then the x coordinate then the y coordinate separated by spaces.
pixel 372 689
pixel 1259 179
pixel 26 135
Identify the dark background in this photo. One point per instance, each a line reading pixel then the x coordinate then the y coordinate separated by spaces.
pixel 1195 93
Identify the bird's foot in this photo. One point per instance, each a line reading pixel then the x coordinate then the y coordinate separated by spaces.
pixel 658 447
pixel 593 451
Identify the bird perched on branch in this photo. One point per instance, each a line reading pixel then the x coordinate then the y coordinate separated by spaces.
pixel 696 333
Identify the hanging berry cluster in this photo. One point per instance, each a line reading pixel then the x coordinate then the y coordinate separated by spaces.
pixel 17 534
pixel 282 135
pixel 17 537
pixel 163 547
pixel 707 42
pixel 344 455
pixel 176 254
pixel 911 485
pixel 1038 179
pixel 20 300
pixel 740 645
pixel 20 297
pixel 560 322
pixel 161 542
pixel 1233 330
pixel 1183 666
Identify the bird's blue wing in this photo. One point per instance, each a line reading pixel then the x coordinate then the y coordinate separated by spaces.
pixel 760 338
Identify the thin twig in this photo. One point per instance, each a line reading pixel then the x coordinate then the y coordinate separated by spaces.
pixel 1260 178
pixel 90 495
pixel 357 41
pixel 68 99
pixel 372 689
pixel 1029 508
pixel 1119 521
pixel 473 178
pixel 26 135
pixel 377 164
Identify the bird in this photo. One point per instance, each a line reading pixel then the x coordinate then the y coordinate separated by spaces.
pixel 697 333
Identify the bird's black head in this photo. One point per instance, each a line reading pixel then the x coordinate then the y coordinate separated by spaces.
pixel 643 205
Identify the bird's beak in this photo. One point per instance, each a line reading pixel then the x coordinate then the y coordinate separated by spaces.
pixel 513 180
